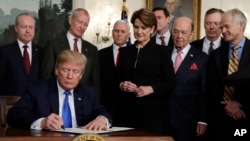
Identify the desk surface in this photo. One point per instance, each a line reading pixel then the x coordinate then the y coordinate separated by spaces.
pixel 12 134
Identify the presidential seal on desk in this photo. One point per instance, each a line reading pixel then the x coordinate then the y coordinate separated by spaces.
pixel 89 137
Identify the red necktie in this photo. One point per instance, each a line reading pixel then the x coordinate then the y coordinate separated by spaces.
pixel 75 45
pixel 26 59
pixel 178 61
pixel 162 41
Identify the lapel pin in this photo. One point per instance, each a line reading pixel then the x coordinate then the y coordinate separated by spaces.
pixel 191 55
pixel 79 99
pixel 86 49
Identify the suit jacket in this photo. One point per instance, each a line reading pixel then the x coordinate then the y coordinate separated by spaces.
pixel 151 66
pixel 109 82
pixel 42 99
pixel 13 76
pixel 91 74
pixel 199 43
pixel 217 72
pixel 187 103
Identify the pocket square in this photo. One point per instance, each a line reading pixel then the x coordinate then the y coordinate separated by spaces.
pixel 194 67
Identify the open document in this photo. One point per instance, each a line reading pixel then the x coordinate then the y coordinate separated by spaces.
pixel 80 130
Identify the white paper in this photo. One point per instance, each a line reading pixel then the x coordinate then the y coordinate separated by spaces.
pixel 80 130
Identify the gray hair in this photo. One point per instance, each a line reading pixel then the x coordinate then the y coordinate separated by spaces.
pixel 122 21
pixel 238 16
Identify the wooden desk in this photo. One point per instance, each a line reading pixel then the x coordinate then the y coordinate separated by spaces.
pixel 12 134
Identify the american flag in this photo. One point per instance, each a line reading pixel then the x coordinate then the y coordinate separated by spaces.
pixel 124 16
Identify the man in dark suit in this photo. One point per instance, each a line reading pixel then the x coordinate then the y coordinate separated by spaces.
pixel 187 103
pixel 109 58
pixel 14 76
pixel 229 114
pixel 162 31
pixel 42 106
pixel 78 21
pixel 213 32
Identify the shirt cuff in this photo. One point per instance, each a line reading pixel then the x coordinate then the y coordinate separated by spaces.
pixel 200 122
pixel 37 124
pixel 107 121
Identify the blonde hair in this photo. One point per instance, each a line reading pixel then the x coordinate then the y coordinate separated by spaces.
pixel 72 57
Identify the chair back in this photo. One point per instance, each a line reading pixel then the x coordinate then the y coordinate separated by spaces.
pixel 6 102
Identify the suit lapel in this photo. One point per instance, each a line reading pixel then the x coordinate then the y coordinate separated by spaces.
pixel 15 50
pixel 187 60
pixel 78 98
pixel 245 54
pixel 110 55
pixel 53 96
pixel 84 48
pixel 34 60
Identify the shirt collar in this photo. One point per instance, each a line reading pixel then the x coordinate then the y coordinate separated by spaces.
pixel 167 34
pixel 21 44
pixel 184 50
pixel 241 43
pixel 216 42
pixel 61 90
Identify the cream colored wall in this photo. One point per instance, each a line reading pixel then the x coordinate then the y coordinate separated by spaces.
pixel 98 15
pixel 95 8
pixel 243 5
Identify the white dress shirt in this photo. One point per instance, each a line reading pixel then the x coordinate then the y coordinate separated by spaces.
pixel 71 42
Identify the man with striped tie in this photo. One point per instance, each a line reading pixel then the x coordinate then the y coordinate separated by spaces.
pixel 229 106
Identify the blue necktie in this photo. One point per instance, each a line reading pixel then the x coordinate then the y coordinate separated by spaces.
pixel 66 113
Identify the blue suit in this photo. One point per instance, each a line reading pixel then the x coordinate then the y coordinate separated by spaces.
pixel 13 76
pixel 42 99
pixel 187 103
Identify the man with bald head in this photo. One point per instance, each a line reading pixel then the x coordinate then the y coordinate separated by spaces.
pixel 187 103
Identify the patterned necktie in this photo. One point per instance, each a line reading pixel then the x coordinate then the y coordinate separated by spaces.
pixel 66 113
pixel 26 59
pixel 178 61
pixel 232 67
pixel 75 45
pixel 210 48
pixel 162 41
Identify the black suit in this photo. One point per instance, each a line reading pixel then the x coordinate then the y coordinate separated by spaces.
pixel 13 76
pixel 91 75
pixel 151 66
pixel 42 99
pixel 221 125
pixel 199 43
pixel 109 82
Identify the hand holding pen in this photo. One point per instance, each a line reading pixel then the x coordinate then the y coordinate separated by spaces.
pixel 52 122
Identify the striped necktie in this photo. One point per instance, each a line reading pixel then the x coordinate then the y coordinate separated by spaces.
pixel 232 67
pixel 75 48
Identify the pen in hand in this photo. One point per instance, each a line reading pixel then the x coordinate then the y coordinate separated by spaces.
pixel 62 126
